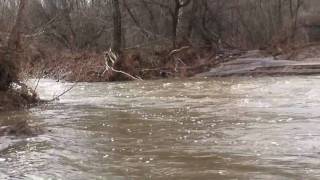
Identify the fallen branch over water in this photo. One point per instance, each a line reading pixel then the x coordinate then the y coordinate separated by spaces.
pixel 127 74
pixel 63 93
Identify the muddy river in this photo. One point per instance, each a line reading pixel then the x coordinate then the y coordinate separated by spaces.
pixel 229 128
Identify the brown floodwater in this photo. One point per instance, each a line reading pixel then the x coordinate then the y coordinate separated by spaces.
pixel 230 128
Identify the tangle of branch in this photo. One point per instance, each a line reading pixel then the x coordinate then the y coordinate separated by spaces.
pixel 110 59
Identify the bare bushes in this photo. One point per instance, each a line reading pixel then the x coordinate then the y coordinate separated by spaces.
pixel 152 63
pixel 84 66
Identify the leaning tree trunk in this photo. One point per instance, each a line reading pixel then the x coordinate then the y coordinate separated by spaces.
pixel 9 57
pixel 117 30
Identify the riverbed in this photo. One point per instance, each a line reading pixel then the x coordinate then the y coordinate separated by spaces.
pixel 228 128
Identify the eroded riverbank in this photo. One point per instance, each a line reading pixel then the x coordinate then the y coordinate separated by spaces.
pixel 226 128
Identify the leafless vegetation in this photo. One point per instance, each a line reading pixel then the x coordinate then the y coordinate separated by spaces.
pixel 52 27
pixel 122 24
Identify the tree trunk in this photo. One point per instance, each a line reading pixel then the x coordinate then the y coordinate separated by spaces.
pixel 192 19
pixel 14 38
pixel 176 18
pixel 67 19
pixel 117 30
pixel 9 58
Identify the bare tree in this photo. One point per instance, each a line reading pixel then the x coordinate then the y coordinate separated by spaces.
pixel 98 24
pixel 15 35
pixel 177 17
pixel 9 60
pixel 117 27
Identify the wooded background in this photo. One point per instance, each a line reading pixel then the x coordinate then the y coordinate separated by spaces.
pixel 124 24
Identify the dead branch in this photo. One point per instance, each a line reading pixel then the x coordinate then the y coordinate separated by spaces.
pixel 110 59
pixel 37 84
pixel 64 92
pixel 175 51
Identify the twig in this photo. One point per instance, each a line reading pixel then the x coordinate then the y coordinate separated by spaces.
pixel 154 69
pixel 173 52
pixel 35 88
pixel 63 93
pixel 177 60
pixel 38 81
pixel 43 28
pixel 127 74
pixel 37 33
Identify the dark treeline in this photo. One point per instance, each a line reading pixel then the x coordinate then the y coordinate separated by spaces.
pixel 99 24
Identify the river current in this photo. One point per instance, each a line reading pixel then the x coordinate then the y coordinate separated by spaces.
pixel 229 128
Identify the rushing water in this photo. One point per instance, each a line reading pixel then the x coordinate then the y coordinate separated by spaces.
pixel 236 128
